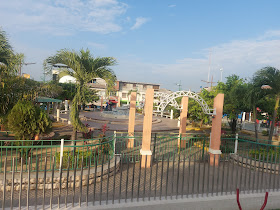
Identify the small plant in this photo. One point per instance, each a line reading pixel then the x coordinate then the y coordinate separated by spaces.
pixel 87 135
pixel 78 154
pixel 104 129
pixel 226 149
pixel 264 152
pixel 265 133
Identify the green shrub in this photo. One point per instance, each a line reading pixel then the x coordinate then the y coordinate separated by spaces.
pixel 105 145
pixel 27 120
pixel 265 133
pixel 264 152
pixel 78 154
pixel 226 149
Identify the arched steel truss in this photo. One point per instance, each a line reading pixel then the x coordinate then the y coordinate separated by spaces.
pixel 164 99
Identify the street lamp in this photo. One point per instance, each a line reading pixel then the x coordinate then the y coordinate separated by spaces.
pixel 221 69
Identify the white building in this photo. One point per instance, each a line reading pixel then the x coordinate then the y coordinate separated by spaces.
pixel 124 88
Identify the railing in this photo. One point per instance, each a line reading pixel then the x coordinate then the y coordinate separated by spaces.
pixel 163 145
pixel 243 145
pixel 116 181
pixel 92 150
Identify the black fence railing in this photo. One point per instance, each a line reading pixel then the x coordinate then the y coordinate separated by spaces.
pixel 183 176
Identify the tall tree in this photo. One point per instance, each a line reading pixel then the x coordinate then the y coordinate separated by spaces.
pixel 82 66
pixel 252 99
pixel 234 90
pixel 5 48
pixel 11 86
pixel 269 78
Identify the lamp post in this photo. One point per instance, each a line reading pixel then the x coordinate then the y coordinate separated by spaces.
pixel 221 69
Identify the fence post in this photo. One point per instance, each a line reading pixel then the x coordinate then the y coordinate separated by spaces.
pixel 155 144
pixel 236 143
pixel 57 113
pixel 203 148
pixel 115 139
pixel 61 154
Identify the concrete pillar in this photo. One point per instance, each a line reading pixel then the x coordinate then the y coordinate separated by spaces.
pixel 69 117
pixel 119 101
pixel 243 117
pixel 57 112
pixel 215 141
pixel 131 121
pixel 66 105
pixel 54 107
pixel 183 121
pixel 37 137
pixel 171 114
pixel 147 129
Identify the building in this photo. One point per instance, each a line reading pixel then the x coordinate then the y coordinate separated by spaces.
pixel 124 89
pixel 99 85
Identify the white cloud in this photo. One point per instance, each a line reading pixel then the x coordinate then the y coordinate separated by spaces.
pixel 62 17
pixel 241 57
pixel 139 22
pixel 97 45
pixel 172 5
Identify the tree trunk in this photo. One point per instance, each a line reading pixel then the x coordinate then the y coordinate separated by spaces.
pixel 201 123
pixel 73 138
pixel 273 119
pixel 256 124
pixel 233 125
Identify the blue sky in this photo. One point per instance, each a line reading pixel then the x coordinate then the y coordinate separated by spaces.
pixel 156 41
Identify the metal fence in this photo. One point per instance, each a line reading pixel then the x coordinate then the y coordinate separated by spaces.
pixel 119 181
pixel 163 145
pixel 92 150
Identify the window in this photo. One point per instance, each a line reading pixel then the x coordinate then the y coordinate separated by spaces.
pixel 123 95
pixel 134 85
pixel 92 81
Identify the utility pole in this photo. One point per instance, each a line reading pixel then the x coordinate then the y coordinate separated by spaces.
pixel 179 85
pixel 209 82
pixel 25 65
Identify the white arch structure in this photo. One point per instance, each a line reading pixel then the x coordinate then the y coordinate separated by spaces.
pixel 165 99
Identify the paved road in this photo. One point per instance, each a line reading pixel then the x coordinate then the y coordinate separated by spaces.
pixel 122 124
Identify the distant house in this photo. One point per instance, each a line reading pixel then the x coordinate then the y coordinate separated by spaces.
pixel 124 89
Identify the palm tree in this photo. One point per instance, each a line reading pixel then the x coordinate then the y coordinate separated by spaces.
pixel 5 48
pixel 82 66
pixel 10 62
pixel 269 77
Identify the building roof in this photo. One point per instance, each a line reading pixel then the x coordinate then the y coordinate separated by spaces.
pixel 60 65
pixel 47 100
pixel 96 85
pixel 142 83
